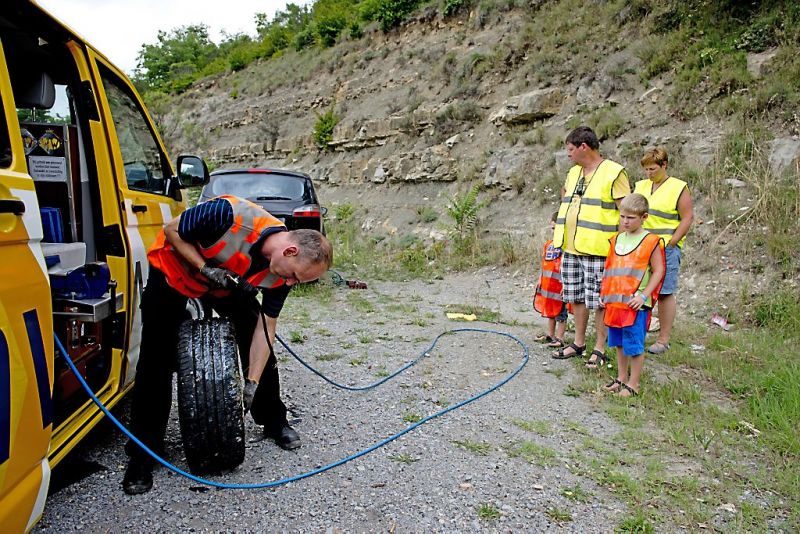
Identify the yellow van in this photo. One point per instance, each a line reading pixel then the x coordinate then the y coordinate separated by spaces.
pixel 85 185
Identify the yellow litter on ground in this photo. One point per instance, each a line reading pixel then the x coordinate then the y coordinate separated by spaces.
pixel 462 316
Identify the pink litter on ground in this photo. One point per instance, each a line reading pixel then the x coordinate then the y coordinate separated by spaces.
pixel 720 321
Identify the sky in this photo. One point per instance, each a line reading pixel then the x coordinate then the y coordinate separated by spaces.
pixel 118 28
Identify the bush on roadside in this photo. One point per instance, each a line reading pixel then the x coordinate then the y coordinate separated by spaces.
pixel 323 129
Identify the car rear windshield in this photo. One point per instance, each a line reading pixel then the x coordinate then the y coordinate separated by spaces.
pixel 254 185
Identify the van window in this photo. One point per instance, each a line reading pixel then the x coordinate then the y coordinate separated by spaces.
pixel 145 165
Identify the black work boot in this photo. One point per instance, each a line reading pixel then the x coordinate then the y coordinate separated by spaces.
pixel 138 477
pixel 285 437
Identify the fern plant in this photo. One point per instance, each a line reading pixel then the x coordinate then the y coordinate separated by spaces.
pixel 463 209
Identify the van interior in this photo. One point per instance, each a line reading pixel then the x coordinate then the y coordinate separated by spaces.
pixel 54 109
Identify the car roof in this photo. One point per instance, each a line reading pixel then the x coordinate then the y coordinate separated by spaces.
pixel 260 170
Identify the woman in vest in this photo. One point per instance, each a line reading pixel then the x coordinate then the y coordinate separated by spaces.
pixel 670 216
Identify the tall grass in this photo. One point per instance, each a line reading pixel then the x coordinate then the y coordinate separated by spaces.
pixel 766 211
pixel 408 256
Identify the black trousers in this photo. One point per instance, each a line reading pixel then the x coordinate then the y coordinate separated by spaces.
pixel 163 311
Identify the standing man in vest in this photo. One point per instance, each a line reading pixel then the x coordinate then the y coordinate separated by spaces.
pixel 670 217
pixel 587 219
pixel 202 253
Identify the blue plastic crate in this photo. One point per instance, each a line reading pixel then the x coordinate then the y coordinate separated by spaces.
pixel 52 225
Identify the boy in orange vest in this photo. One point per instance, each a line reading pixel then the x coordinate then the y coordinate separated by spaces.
pixel 547 298
pixel 632 278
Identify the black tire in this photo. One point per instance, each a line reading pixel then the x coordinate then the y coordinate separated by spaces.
pixel 210 396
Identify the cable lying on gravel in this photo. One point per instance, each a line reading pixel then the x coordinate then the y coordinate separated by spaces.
pixel 331 465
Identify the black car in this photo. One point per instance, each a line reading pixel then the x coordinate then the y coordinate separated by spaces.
pixel 287 195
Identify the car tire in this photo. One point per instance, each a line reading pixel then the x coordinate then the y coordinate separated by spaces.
pixel 210 408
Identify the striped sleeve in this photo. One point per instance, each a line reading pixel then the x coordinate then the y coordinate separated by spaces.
pixel 205 223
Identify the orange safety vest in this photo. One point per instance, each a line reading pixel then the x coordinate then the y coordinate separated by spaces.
pixel 231 251
pixel 622 277
pixel 547 298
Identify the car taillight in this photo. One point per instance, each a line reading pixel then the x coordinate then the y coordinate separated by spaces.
pixel 306 211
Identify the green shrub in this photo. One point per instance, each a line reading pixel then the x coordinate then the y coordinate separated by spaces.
pixel 304 39
pixel 460 112
pixel 427 214
pixel 355 30
pixel 323 129
pixel 607 123
pixel 453 7
pixel 390 13
pixel 344 213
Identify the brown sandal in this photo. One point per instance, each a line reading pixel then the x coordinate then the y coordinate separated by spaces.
pixel 598 362
pixel 557 343
pixel 544 338
pixel 578 351
pixel 627 391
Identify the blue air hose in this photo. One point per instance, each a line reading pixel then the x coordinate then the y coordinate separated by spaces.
pixel 337 463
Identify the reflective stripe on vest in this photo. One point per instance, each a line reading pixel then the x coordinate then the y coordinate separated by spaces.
pixel 547 297
pixel 663 217
pixel 231 251
pixel 598 216
pixel 622 277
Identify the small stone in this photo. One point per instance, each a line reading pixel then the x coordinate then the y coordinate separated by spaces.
pixel 538 487
pixel 733 182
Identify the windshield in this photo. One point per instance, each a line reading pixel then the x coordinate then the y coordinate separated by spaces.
pixel 253 185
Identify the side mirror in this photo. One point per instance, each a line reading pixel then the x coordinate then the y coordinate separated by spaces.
pixel 324 211
pixel 192 171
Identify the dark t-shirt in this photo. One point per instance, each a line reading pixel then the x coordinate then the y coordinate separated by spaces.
pixel 206 223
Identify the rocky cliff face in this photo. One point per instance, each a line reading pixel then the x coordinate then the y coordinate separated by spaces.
pixel 439 105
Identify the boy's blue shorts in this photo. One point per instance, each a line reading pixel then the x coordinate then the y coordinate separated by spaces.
pixel 562 315
pixel 630 338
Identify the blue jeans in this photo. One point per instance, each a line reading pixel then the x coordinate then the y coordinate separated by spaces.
pixel 673 266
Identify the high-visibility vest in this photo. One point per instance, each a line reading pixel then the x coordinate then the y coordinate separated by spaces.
pixel 598 215
pixel 547 298
pixel 622 277
pixel 231 251
pixel 663 216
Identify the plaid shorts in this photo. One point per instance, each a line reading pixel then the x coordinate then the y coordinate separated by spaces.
pixel 581 276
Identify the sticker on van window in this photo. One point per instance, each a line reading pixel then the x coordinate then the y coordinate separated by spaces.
pixel 29 141
pixel 50 142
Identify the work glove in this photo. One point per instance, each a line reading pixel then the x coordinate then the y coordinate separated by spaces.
pixel 220 277
pixel 249 393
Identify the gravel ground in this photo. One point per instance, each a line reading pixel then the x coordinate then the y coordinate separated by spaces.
pixel 423 481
